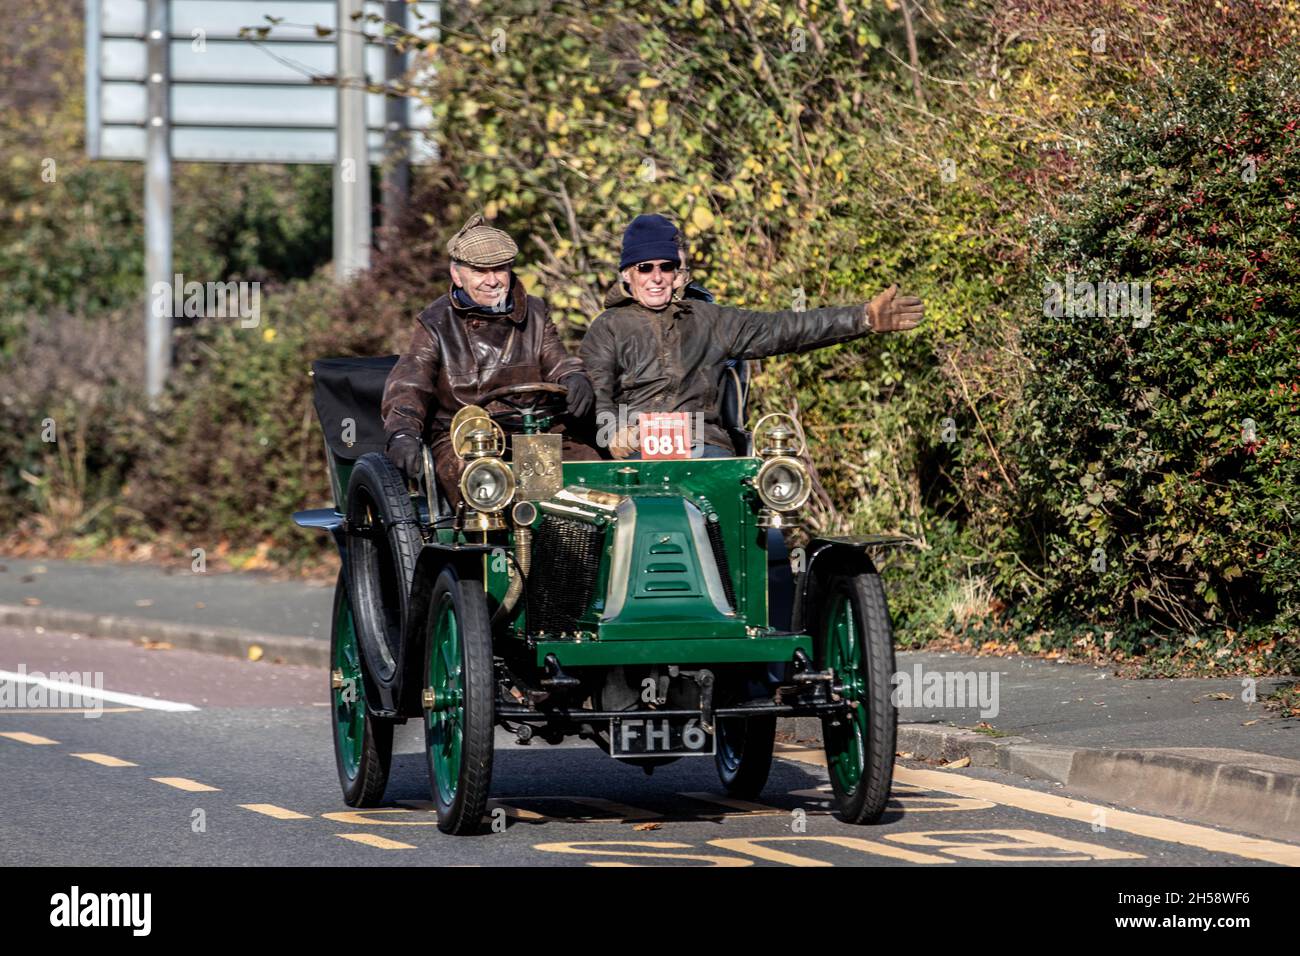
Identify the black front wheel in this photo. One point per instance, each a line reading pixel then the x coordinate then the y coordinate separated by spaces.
pixel 363 743
pixel 458 700
pixel 857 643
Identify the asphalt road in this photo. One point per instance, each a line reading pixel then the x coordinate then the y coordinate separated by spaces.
pixel 248 777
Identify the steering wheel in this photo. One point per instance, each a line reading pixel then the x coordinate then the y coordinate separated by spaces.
pixel 544 398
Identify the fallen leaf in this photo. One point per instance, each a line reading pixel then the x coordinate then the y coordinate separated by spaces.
pixel 31 601
pixel 149 645
pixel 1219 696
pixel 1251 723
pixel 200 605
pixel 648 826
pixel 956 764
pixel 144 602
pixel 254 652
pixel 905 754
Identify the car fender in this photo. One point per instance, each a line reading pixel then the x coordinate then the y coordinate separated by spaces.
pixel 823 557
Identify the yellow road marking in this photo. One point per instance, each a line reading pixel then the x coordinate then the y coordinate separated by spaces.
pixel 617 812
pixel 638 850
pixel 367 818
pixel 518 813
pixel 802 754
pixel 1154 828
pixel 743 806
pixel 104 760
pixel 184 783
pixel 526 815
pixel 378 842
pixel 25 738
pixel 1010 849
pixel 753 847
pixel 271 810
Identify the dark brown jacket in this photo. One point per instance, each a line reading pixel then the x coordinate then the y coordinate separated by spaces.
pixel 457 355
pixel 673 360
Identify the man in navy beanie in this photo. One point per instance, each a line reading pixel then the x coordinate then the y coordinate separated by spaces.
pixel 652 350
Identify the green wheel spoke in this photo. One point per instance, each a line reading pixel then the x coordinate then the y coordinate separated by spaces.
pixel 845 743
pixel 444 678
pixel 349 714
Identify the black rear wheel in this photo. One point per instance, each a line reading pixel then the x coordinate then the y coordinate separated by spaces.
pixel 744 755
pixel 857 643
pixel 384 542
pixel 363 743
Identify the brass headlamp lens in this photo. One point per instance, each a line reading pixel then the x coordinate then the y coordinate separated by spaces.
pixel 487 484
pixel 783 483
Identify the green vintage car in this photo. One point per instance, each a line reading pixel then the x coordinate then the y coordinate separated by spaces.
pixel 647 606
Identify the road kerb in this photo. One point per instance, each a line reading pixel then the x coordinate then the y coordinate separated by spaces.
pixel 226 641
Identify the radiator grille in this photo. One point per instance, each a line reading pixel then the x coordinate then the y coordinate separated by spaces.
pixel 566 560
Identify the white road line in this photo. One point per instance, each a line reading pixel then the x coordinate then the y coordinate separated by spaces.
pixel 109 696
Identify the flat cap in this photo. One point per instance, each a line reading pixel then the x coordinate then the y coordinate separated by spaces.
pixel 478 244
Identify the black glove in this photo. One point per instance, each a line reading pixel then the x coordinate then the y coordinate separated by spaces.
pixel 582 397
pixel 405 452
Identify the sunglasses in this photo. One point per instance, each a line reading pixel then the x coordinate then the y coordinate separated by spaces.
pixel 667 268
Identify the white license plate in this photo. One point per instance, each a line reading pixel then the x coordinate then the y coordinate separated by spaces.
pixel 650 736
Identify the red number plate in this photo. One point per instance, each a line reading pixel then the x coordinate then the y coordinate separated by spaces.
pixel 665 435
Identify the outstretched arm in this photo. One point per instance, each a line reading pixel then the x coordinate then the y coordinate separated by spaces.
pixel 752 335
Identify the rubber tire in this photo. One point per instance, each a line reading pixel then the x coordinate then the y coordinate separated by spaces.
pixel 746 777
pixel 366 787
pixel 380 606
pixel 866 596
pixel 464 813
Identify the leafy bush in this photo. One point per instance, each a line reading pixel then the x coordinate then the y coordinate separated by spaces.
pixel 1160 465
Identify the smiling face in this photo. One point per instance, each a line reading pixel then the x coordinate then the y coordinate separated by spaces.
pixel 654 289
pixel 487 287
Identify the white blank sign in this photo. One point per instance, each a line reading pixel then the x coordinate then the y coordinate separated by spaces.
pixel 233 100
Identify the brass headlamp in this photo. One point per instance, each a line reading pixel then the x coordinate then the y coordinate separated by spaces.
pixel 487 484
pixel 783 482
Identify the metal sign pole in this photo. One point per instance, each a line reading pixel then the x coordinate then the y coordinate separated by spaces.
pixel 157 202
pixel 397 163
pixel 352 158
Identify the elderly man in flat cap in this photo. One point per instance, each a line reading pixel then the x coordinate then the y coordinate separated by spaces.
pixel 485 333
pixel 653 351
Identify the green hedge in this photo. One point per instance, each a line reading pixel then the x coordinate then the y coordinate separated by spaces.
pixel 1173 451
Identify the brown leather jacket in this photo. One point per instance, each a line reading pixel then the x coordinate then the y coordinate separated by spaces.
pixel 457 355
pixel 673 360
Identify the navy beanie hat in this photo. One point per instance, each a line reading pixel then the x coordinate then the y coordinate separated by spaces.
pixel 650 237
